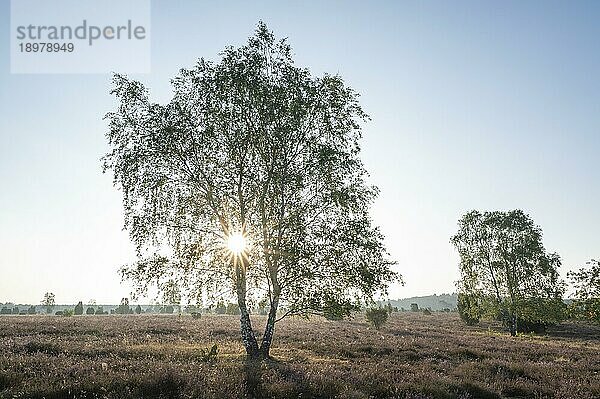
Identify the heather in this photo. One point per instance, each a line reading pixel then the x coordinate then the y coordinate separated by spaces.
pixel 413 355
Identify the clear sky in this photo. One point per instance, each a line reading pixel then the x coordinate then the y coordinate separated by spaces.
pixel 474 105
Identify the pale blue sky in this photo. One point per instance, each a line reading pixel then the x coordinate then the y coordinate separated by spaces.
pixel 474 105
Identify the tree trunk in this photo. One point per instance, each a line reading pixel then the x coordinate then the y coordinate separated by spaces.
pixel 248 338
pixel 513 325
pixel 267 338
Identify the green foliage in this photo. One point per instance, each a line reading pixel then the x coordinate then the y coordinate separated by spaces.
pixel 192 309
pixel 377 317
pixel 504 265
pixel 138 309
pixel 469 308
pixel 90 310
pixel 536 314
pixel 233 308
pixel 67 313
pixel 196 315
pixel 586 299
pixel 123 308
pixel 31 310
pixel 79 308
pixel 338 309
pixel 220 308
pixel 389 308
pixel 414 307
pixel 100 310
pixel 586 309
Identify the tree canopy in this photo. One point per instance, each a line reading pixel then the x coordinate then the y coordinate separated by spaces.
pixel 586 298
pixel 250 145
pixel 505 269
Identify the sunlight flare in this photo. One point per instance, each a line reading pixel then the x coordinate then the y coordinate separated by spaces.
pixel 236 243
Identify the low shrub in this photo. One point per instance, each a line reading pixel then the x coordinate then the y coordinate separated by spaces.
pixel 209 355
pixel 377 317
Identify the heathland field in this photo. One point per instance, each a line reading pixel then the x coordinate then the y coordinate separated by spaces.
pixel 413 356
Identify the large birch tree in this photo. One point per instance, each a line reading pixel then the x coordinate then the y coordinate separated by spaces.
pixel 249 183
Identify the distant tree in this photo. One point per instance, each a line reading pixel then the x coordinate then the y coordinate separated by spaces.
pixel 138 309
pixel 262 307
pixel 171 293
pixel 169 309
pixel 31 310
pixel 15 310
pixel 6 310
pixel 90 310
pixel 79 308
pixel 220 308
pixel 233 308
pixel 252 151
pixel 414 307
pixel 504 265
pixel 191 309
pixel 100 310
pixel 586 299
pixel 377 317
pixel 123 308
pixel 48 302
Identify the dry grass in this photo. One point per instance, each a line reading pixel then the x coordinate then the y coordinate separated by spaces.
pixel 413 356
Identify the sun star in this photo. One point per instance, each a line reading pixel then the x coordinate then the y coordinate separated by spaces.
pixel 236 243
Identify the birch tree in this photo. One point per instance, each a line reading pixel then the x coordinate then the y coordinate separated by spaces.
pixel 586 298
pixel 505 268
pixel 249 183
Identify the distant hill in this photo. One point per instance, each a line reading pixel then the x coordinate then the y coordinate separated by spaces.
pixel 435 302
